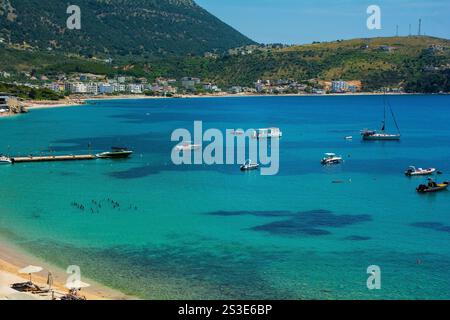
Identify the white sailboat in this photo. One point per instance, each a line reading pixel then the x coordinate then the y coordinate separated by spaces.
pixel 382 134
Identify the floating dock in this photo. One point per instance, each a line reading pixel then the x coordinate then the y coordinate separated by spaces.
pixel 53 158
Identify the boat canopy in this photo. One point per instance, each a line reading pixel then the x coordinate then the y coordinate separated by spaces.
pixel 330 154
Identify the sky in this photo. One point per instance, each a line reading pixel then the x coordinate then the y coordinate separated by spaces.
pixel 305 21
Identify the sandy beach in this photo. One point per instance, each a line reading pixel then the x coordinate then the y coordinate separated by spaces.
pixel 13 258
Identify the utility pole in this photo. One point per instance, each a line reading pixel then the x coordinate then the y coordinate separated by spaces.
pixel 420 27
pixel 396 34
pixel 410 30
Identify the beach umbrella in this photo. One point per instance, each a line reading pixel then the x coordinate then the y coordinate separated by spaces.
pixel 30 270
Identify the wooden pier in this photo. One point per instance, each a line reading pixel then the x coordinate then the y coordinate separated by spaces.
pixel 53 158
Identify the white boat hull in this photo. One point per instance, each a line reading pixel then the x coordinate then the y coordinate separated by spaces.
pixel 382 137
pixel 424 172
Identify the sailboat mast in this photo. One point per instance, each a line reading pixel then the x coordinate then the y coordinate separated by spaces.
pixel 383 128
pixel 393 117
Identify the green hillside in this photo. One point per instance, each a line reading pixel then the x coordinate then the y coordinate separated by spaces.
pixel 418 64
pixel 117 27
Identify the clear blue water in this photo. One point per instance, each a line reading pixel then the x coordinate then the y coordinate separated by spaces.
pixel 212 232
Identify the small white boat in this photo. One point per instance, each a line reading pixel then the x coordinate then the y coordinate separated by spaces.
pixel 187 146
pixel 349 138
pixel 331 158
pixel 5 160
pixel 248 165
pixel 267 133
pixel 412 171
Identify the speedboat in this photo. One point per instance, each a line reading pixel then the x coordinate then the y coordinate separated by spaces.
pixel 5 160
pixel 187 146
pixel 331 158
pixel 432 187
pixel 412 171
pixel 115 153
pixel 248 165
pixel 267 133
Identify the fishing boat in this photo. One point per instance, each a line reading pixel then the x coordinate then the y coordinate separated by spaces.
pixel 187 146
pixel 115 153
pixel 412 171
pixel 432 187
pixel 267 133
pixel 5 160
pixel 331 158
pixel 382 134
pixel 248 165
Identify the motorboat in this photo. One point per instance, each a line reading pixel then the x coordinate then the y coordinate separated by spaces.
pixel 187 146
pixel 349 138
pixel 267 133
pixel 248 165
pixel 331 158
pixel 412 171
pixel 115 153
pixel 432 187
pixel 5 160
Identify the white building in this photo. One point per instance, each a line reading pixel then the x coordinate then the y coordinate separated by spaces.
pixel 92 88
pixel 105 88
pixel 135 88
pixel 57 87
pixel 190 83
pixel 236 89
pixel 76 87
pixel 119 87
pixel 339 86
pixel 210 87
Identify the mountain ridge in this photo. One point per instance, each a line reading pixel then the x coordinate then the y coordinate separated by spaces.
pixel 118 27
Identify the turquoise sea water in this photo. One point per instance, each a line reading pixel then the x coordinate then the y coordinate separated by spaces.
pixel 213 232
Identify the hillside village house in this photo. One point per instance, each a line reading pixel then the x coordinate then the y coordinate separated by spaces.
pixel 190 83
pixel 136 88
pixel 339 86
pixel 211 87
pixel 106 88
